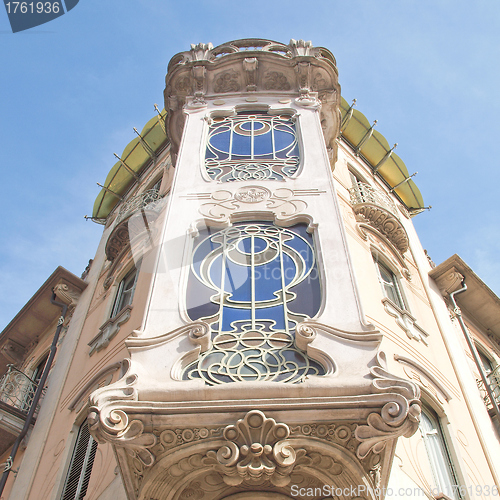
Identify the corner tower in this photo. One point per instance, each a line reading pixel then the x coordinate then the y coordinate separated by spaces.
pixel 254 369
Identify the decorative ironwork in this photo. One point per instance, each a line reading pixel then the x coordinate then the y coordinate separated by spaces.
pixel 148 199
pixel 364 193
pixel 17 389
pixel 253 283
pixel 253 146
pixel 494 383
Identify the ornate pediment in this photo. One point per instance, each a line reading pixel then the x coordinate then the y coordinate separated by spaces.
pixel 253 66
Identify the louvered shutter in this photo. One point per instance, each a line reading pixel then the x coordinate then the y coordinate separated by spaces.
pixel 77 480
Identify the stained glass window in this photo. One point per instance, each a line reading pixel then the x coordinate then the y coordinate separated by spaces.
pixel 252 146
pixel 253 283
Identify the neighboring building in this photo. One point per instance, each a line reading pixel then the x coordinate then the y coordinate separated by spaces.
pixel 260 320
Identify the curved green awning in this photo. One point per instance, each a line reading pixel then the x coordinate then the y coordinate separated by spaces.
pixel 374 149
pixel 135 157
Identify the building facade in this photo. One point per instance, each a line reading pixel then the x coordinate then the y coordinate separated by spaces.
pixel 260 319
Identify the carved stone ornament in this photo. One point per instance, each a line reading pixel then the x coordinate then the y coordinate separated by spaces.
pixel 109 330
pixel 283 202
pixel 449 282
pixel 297 69
pixel 399 417
pixel 276 80
pixel 406 321
pixel 109 424
pixel 385 222
pixel 174 436
pixel 67 295
pixel 256 451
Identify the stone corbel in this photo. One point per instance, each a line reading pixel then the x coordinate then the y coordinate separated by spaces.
pixel 109 330
pixel 256 451
pixel 399 417
pixel 303 70
pixel 13 351
pixel 107 423
pixel 449 282
pixel 199 74
pixel 330 122
pixel 67 295
pixel 406 321
pixel 250 65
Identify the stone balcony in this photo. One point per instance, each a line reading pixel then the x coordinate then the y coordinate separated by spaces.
pixel 133 219
pixel 377 209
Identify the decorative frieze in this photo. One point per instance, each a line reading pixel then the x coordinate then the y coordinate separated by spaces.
pixel 283 202
pixel 298 69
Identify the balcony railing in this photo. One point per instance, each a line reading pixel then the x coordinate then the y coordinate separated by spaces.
pixel 364 193
pixel 17 389
pixel 494 383
pixel 149 199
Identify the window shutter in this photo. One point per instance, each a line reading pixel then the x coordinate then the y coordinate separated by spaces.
pixel 77 480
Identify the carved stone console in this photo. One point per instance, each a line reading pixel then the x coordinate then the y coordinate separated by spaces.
pixel 175 438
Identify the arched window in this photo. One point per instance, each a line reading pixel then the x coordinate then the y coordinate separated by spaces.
pixel 253 283
pixel 252 146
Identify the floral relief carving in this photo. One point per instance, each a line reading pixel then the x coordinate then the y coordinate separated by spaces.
pixel 117 242
pixel 256 451
pixel 284 202
pixel 183 84
pixel 227 81
pixel 275 80
pixel 252 194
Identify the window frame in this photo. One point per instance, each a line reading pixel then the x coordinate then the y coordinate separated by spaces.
pixel 447 467
pixel 401 303
pixel 118 303
pixel 233 113
pixel 87 464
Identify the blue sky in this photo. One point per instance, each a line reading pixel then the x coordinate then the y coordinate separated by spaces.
pixel 73 89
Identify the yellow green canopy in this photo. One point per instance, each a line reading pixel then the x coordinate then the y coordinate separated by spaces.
pixel 135 156
pixel 373 147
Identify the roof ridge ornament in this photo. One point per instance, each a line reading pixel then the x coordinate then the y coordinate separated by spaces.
pixel 303 48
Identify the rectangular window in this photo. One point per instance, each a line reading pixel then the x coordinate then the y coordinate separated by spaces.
pixel 444 478
pixel 389 283
pixel 126 290
pixel 80 469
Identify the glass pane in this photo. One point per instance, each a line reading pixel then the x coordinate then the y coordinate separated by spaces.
pixel 390 285
pixel 253 283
